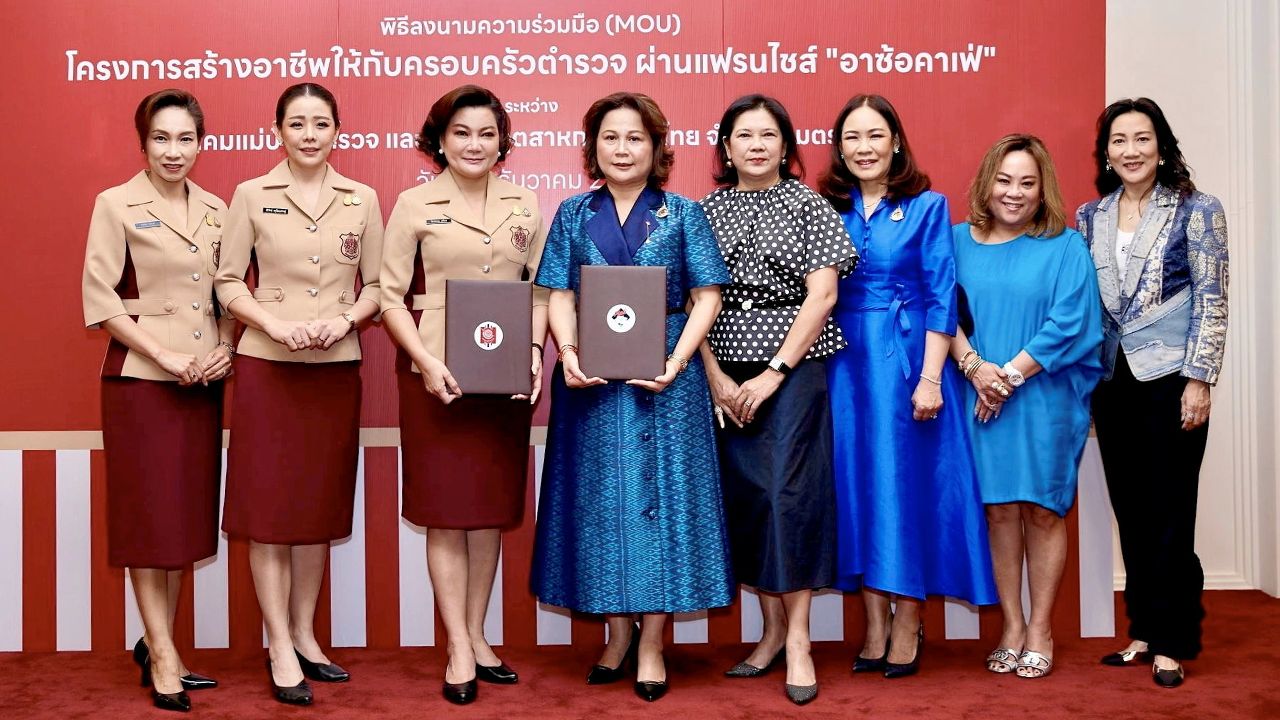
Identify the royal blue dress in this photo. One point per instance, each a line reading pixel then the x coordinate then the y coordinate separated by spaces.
pixel 1039 295
pixel 630 517
pixel 909 516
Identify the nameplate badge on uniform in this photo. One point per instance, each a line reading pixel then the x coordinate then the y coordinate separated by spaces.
pixel 275 211
pixel 488 334
pixel 147 224
pixel 438 221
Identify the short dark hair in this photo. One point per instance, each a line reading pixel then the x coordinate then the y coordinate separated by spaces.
pixel 655 123
pixel 157 101
pixel 1174 174
pixel 443 110
pixel 306 90
pixel 905 178
pixel 792 166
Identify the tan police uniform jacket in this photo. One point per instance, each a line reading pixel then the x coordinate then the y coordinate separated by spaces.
pixel 307 264
pixel 143 262
pixel 434 230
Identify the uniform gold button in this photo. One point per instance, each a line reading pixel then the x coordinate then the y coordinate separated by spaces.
pixel 486 268
pixel 197 334
pixel 195 306
pixel 313 291
pixel 488 240
pixel 311 228
pixel 195 276
pixel 192 248
pixel 315 259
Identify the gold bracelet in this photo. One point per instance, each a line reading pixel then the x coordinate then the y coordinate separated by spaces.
pixel 231 349
pixel 684 362
pixel 974 364
pixel 566 348
pixel 964 359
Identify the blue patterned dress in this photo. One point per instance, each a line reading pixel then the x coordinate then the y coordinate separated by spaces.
pixel 630 517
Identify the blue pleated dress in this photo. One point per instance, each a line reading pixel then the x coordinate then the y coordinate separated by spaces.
pixel 910 519
pixel 630 516
pixel 1039 295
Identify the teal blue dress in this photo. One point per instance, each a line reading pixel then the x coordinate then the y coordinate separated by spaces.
pixel 1040 295
pixel 630 516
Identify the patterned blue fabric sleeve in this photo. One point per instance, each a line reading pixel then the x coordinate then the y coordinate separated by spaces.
pixel 1072 333
pixel 937 254
pixel 1207 258
pixel 702 260
pixel 553 271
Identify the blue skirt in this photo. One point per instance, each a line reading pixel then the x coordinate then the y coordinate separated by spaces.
pixel 910 519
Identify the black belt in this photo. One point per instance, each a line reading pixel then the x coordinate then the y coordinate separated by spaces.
pixel 750 304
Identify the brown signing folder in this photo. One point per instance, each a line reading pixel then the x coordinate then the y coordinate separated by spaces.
pixel 488 335
pixel 622 321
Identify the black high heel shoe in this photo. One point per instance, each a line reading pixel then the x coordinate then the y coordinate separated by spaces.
pixel 177 702
pixel 463 693
pixel 1125 658
pixel 299 694
pixel 1167 678
pixel 500 674
pixel 864 665
pixel 603 674
pixel 745 669
pixel 190 681
pixel 651 691
pixel 901 670
pixel 321 672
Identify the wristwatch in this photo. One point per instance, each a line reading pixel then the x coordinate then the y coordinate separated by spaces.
pixel 348 317
pixel 1015 377
pixel 777 364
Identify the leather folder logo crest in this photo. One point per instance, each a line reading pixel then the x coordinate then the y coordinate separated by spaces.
pixel 621 318
pixel 488 335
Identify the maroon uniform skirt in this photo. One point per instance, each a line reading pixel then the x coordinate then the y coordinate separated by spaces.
pixel 295 442
pixel 163 447
pixel 465 464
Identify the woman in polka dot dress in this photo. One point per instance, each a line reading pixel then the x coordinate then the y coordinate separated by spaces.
pixel 785 248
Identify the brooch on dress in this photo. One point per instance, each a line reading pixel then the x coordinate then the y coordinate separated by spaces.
pixel 351 199
pixel 662 211
pixel 897 215
pixel 521 211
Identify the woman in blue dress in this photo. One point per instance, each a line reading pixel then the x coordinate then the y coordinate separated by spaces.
pixel 909 519
pixel 630 519
pixel 1032 297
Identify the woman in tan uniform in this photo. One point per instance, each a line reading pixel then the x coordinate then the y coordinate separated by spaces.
pixel 152 248
pixel 291 467
pixel 465 458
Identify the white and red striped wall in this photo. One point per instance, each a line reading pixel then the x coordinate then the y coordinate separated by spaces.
pixel 59 593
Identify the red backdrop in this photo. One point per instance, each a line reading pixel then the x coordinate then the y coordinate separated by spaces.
pixel 68 133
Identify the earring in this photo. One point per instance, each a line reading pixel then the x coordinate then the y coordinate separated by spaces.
pixel 1161 162
pixel 784 161
pixel 439 151
pixel 728 163
pixel 896 148
pixel 1108 166
pixel 841 156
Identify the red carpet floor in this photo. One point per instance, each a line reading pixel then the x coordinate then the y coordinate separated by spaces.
pixel 1236 677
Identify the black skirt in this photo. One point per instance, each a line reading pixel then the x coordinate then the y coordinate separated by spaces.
pixel 776 475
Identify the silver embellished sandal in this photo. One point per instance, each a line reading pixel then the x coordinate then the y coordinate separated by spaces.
pixel 1003 660
pixel 1032 664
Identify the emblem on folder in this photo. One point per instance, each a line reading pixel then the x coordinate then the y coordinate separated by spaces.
pixel 621 318
pixel 488 335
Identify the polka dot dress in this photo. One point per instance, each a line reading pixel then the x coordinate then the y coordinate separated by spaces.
pixel 771 239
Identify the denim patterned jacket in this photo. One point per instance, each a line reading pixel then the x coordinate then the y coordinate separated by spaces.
pixel 1170 315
